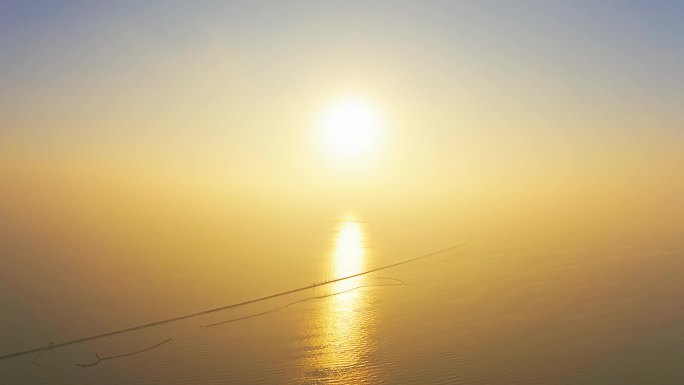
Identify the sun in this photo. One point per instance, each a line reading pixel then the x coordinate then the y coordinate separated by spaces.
pixel 350 128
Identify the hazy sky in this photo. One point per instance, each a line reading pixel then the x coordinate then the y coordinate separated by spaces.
pixel 481 98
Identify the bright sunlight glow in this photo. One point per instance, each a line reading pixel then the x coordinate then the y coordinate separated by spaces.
pixel 350 128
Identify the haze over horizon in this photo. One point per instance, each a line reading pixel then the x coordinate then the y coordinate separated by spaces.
pixel 225 150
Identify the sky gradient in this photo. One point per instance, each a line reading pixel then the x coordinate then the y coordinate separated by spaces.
pixel 489 105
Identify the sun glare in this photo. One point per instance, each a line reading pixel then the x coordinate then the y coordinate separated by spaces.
pixel 350 128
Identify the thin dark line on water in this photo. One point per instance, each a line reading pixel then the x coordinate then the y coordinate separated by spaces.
pixel 399 283
pixel 231 306
pixel 100 359
pixel 40 353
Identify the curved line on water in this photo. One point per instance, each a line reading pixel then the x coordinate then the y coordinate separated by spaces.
pixel 231 306
pixel 400 283
pixel 100 359
pixel 40 354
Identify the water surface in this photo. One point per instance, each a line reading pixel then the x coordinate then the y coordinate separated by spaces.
pixel 504 307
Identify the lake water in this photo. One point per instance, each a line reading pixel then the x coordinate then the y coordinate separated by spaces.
pixel 506 305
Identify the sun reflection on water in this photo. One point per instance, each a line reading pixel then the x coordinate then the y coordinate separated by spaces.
pixel 349 252
pixel 339 340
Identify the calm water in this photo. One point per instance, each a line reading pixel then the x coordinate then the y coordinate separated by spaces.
pixel 507 306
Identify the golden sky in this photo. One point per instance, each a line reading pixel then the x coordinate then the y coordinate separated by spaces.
pixel 480 107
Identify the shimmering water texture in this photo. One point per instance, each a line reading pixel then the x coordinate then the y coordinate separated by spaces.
pixel 351 274
pixel 380 304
